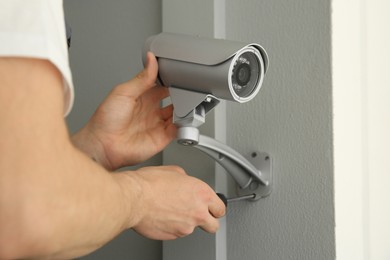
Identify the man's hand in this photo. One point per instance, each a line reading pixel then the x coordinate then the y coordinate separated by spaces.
pixel 129 126
pixel 172 203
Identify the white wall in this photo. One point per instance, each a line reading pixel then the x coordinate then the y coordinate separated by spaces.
pixel 361 128
pixel 378 127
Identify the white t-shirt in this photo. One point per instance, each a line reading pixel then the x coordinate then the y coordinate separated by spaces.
pixel 36 29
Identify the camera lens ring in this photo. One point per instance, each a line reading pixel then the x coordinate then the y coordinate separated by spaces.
pixel 246 74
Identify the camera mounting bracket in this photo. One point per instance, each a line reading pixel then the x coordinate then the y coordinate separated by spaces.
pixel 190 108
pixel 252 174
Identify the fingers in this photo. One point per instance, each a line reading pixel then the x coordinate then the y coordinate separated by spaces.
pixel 211 225
pixel 217 210
pixel 167 112
pixel 156 94
pixel 170 131
pixel 176 204
pixel 217 207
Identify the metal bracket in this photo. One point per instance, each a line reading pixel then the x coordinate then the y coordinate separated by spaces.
pixel 253 175
pixel 190 108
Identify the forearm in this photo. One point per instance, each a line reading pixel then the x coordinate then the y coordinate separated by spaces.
pixel 91 208
pixel 54 200
pixel 67 208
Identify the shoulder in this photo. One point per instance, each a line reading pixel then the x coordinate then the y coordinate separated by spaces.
pixel 36 29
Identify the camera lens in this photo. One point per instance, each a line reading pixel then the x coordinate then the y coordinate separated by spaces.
pixel 245 74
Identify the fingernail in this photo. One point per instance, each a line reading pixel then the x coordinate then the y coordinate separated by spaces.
pixel 148 59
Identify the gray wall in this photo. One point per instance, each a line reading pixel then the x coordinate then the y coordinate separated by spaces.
pixel 291 119
pixel 107 38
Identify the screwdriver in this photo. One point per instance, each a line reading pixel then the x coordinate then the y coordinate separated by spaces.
pixel 228 200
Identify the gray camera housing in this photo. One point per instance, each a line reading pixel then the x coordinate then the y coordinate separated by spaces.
pixel 209 66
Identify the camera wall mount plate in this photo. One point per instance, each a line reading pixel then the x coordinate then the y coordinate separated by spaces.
pixel 263 162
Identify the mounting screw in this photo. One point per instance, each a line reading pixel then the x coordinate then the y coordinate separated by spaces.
pixel 208 99
pixel 187 142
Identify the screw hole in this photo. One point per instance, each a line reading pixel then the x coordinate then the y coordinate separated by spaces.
pixel 266 158
pixel 254 155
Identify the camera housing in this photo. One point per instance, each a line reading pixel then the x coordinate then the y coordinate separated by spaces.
pixel 224 69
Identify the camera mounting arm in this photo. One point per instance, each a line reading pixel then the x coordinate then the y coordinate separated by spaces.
pixel 252 174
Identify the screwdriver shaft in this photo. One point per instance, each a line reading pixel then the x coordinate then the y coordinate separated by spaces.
pixel 226 200
pixel 245 197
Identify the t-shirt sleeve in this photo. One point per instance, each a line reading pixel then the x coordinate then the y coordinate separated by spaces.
pixel 36 29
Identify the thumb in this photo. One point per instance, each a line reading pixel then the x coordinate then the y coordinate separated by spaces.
pixel 144 80
pixel 151 69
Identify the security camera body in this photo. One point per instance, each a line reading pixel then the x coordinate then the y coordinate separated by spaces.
pixel 225 69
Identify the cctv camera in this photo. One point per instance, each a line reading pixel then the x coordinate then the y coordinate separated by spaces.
pixel 201 71
pixel 224 69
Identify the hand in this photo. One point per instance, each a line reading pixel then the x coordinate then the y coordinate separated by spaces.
pixel 172 203
pixel 129 126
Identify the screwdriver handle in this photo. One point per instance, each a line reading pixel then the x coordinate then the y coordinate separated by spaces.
pixel 223 198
